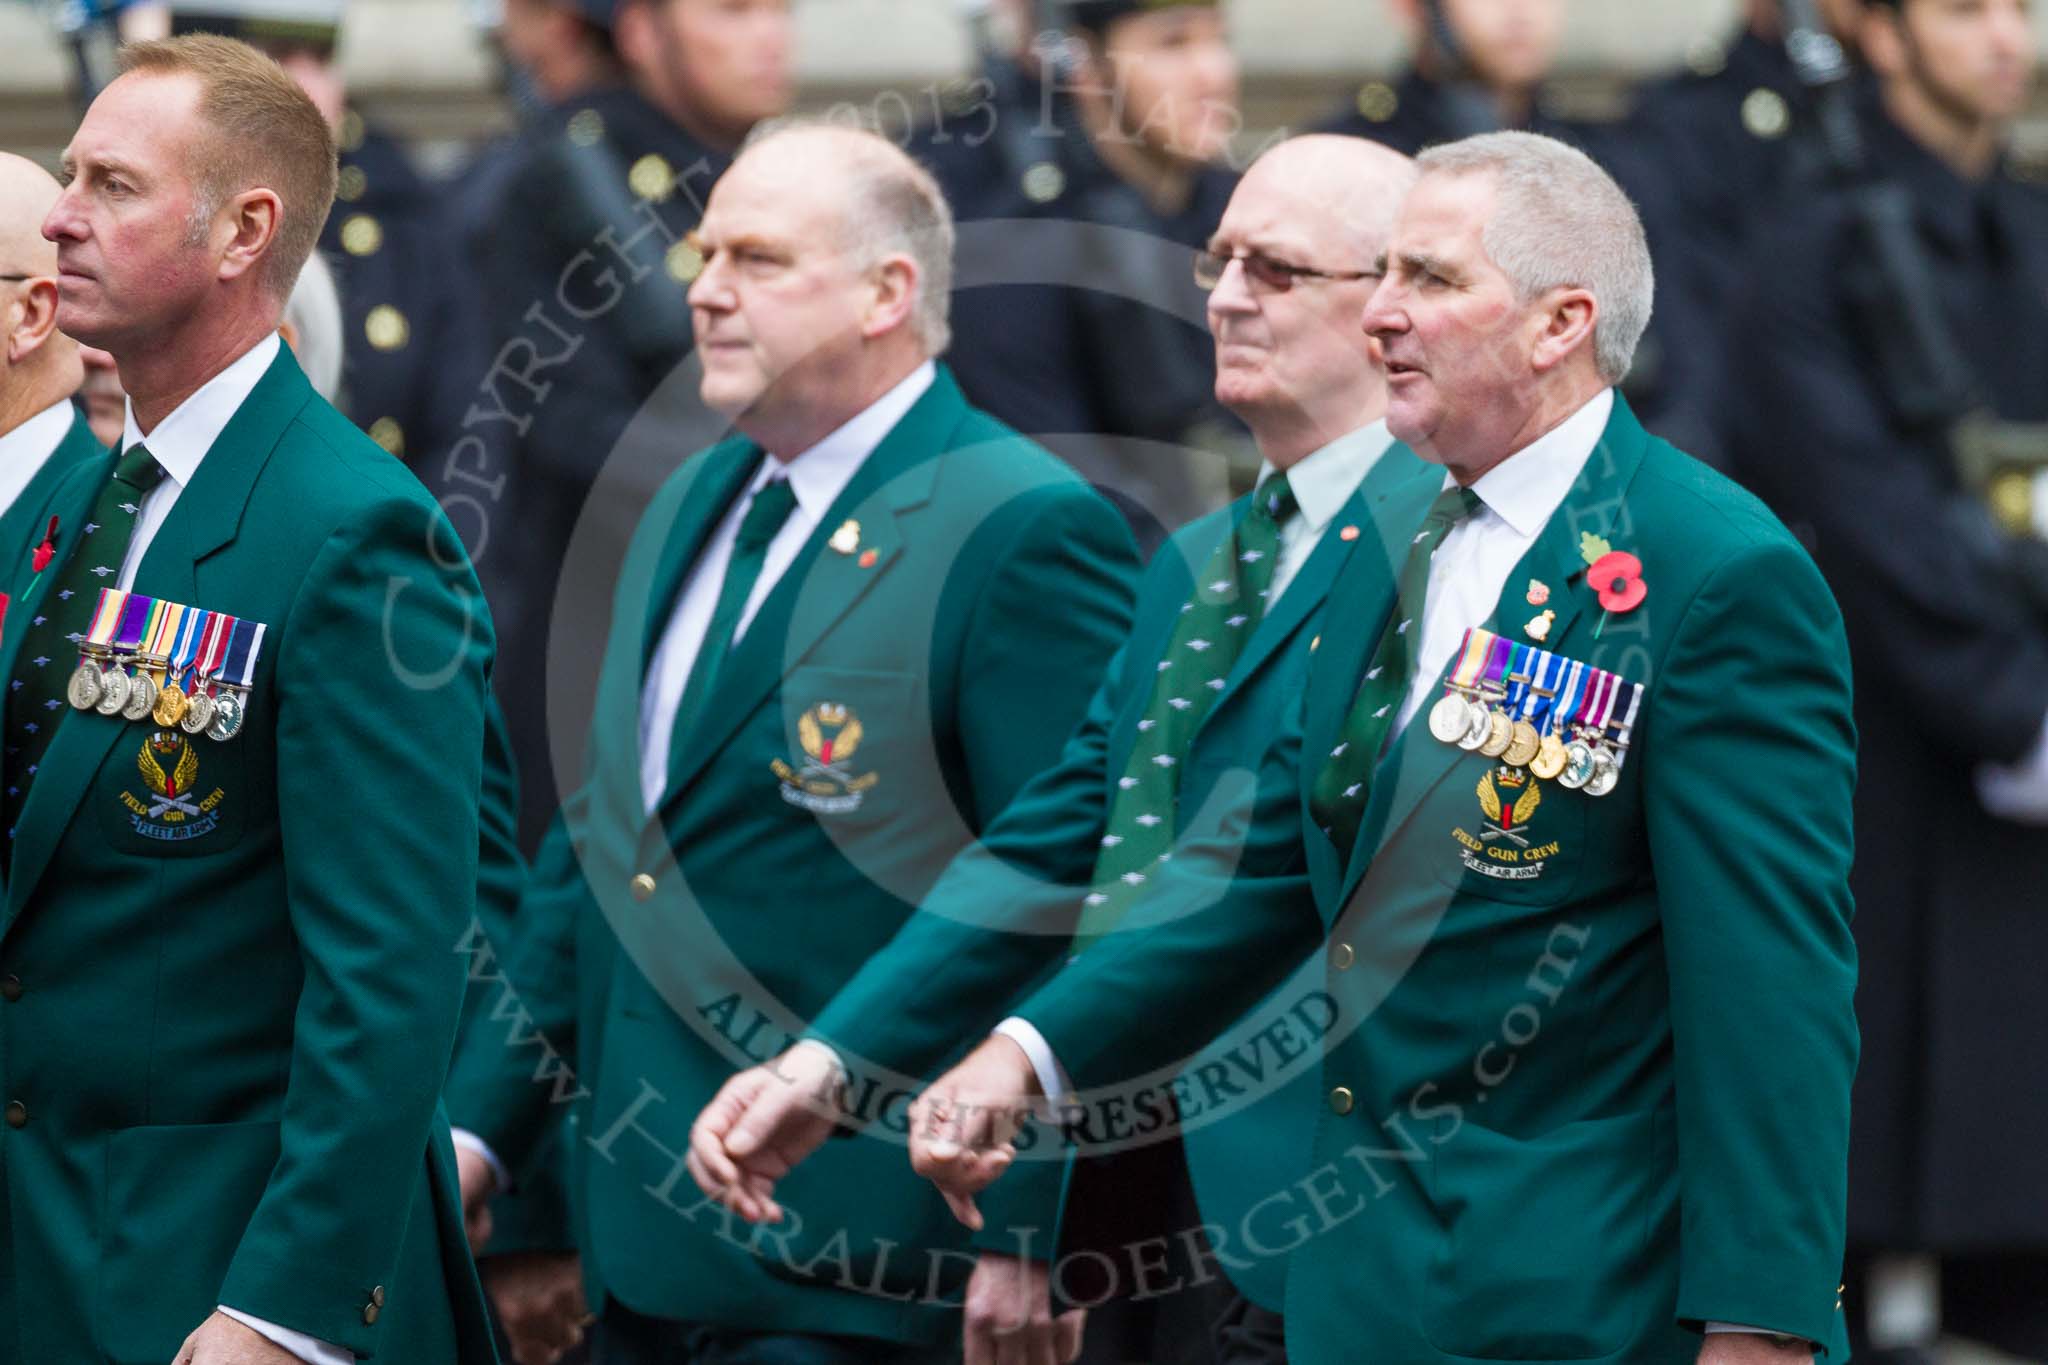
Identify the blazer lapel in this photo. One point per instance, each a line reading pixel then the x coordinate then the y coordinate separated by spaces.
pixel 1596 505
pixel 817 591
pixel 206 516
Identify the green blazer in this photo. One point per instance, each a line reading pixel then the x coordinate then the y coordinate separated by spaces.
pixel 230 1047
pixel 942 650
pixel 1003 914
pixel 31 509
pixel 1583 1111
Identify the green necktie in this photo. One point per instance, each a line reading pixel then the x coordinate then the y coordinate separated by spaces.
pixel 1229 603
pixel 49 648
pixel 765 516
pixel 1345 783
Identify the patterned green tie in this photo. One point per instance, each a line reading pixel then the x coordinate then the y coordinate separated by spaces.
pixel 1229 603
pixel 49 649
pixel 764 519
pixel 1345 783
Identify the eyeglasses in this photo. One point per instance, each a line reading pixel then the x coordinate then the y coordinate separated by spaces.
pixel 1277 276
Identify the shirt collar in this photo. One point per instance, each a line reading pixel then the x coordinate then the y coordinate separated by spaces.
pixel 819 475
pixel 34 441
pixel 1324 480
pixel 182 439
pixel 1526 489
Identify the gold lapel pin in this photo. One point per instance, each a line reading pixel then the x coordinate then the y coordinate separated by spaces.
pixel 1348 533
pixel 847 538
pixel 1539 626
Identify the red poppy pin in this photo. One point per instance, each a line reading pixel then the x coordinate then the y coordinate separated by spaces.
pixel 1617 577
pixel 46 551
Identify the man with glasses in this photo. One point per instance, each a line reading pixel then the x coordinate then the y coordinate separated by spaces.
pixel 1206 678
pixel 41 434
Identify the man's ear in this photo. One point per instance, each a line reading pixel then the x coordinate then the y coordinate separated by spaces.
pixel 896 286
pixel 254 216
pixel 1569 316
pixel 34 322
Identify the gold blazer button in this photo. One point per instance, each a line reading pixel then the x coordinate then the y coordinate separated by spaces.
pixel 643 887
pixel 1341 956
pixel 1341 1100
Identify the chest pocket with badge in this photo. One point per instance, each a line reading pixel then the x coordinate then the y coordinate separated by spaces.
pixel 852 756
pixel 1556 734
pixel 175 783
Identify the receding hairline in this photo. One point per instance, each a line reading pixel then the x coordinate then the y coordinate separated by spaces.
pixel 27 194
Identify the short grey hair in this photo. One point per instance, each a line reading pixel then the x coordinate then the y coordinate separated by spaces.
pixel 1559 220
pixel 897 209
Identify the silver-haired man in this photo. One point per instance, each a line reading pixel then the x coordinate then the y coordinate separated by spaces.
pixel 1575 791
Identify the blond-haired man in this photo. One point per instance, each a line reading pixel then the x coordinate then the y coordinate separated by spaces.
pixel 243 726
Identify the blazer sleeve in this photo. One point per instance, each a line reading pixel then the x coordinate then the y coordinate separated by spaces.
pixel 382 666
pixel 1750 726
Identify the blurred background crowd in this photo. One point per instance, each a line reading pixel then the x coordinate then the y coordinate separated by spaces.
pixel 1848 208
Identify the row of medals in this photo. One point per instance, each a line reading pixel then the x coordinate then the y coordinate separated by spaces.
pixel 1479 723
pixel 103 684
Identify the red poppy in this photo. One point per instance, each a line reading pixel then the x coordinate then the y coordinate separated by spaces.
pixel 46 551
pixel 1618 577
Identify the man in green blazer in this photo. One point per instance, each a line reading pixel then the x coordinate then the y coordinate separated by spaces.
pixel 228 978
pixel 1596 1101
pixel 841 643
pixel 1289 274
pixel 41 435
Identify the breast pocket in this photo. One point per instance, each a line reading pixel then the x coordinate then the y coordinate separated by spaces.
pixel 856 749
pixel 1508 834
pixel 168 794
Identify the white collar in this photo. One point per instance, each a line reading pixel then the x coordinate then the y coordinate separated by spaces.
pixel 36 440
pixel 1324 480
pixel 182 439
pixel 1526 489
pixel 819 475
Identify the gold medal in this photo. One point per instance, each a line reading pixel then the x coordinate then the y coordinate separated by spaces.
pixel 1550 758
pixel 170 706
pixel 1500 732
pixel 1523 745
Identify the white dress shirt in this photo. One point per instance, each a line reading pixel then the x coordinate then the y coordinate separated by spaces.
pixel 1323 482
pixel 27 448
pixel 179 443
pixel 817 477
pixel 182 439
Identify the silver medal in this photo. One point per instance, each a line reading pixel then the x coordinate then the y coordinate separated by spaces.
pixel 198 714
pixel 1606 772
pixel 227 716
pixel 84 690
pixel 141 697
pixel 113 692
pixel 1450 718
pixel 1480 726
pixel 1578 765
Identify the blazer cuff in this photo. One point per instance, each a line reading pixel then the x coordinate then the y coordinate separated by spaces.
pixel 298 1343
pixel 467 1141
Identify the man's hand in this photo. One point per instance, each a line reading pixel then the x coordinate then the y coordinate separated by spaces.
pixel 1751 1348
pixel 1009 1317
pixel 220 1340
pixel 960 1128
pixel 760 1125
pixel 479 1183
pixel 539 1298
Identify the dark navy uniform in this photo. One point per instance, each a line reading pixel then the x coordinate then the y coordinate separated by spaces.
pixel 1950 652
pixel 584 273
pixel 1103 372
pixel 413 349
